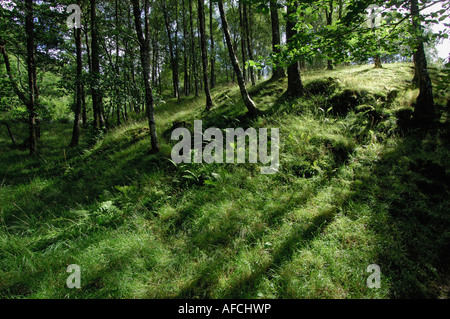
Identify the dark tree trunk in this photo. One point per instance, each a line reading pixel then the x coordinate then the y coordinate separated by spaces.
pixel 295 85
pixel 415 80
pixel 78 91
pixel 329 18
pixel 193 53
pixel 177 52
pixel 97 98
pixel 200 53
pixel 185 51
pixel 243 37
pixel 144 43
pixel 83 103
pixel 377 62
pixel 117 67
pixel 424 109
pixel 251 107
pixel 31 64
pixel 11 135
pixel 211 34
pixel 201 18
pixel 278 71
pixel 22 96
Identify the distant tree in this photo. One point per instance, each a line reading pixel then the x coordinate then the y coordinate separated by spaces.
pixel 97 97
pixel 278 71
pixel 145 47
pixel 78 90
pixel 201 18
pixel 211 35
pixel 251 107
pixel 173 45
pixel 295 85
pixel 246 12
pixel 193 53
pixel 329 18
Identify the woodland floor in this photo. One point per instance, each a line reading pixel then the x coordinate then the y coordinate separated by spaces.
pixel 357 186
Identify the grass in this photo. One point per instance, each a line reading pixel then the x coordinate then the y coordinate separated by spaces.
pixel 353 190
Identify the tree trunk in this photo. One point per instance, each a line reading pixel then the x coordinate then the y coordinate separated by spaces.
pixel 211 34
pixel 243 37
pixel 251 107
pixel 31 64
pixel 14 85
pixel 278 71
pixel 247 17
pixel 144 44
pixel 193 53
pixel 295 85
pixel 83 102
pixel 424 109
pixel 11 135
pixel 201 18
pixel 97 98
pixel 117 67
pixel 185 51
pixel 376 58
pixel 172 53
pixel 377 62
pixel 78 103
pixel 177 52
pixel 329 18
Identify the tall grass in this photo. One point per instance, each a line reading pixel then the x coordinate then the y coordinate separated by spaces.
pixel 350 192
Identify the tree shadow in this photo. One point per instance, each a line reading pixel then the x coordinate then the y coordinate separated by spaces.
pixel 206 281
pixel 410 188
pixel 298 237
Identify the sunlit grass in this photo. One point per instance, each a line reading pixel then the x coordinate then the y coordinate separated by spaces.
pixel 141 227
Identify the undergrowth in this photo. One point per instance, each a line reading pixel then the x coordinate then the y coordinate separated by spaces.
pixel 354 188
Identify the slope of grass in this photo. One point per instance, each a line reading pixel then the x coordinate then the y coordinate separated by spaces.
pixel 353 190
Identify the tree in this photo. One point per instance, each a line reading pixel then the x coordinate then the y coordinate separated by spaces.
pixel 201 18
pixel 278 71
pixel 144 44
pixel 97 97
pixel 329 18
pixel 243 40
pixel 193 55
pixel 295 85
pixel 377 57
pixel 32 75
pixel 251 107
pixel 211 35
pixel 185 49
pixel 173 47
pixel 424 107
pixel 78 91
pixel 246 18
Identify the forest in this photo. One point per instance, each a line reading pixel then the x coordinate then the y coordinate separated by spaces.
pixel 224 149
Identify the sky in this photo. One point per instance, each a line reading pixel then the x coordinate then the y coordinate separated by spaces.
pixel 444 47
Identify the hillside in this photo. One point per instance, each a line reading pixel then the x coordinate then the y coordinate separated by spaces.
pixel 356 186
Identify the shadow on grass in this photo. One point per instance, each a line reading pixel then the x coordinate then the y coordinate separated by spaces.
pixel 298 237
pixel 413 223
pixel 227 233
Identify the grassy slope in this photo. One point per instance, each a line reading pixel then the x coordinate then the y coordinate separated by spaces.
pixel 349 193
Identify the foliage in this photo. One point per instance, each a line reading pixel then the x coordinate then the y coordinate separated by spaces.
pixel 351 191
